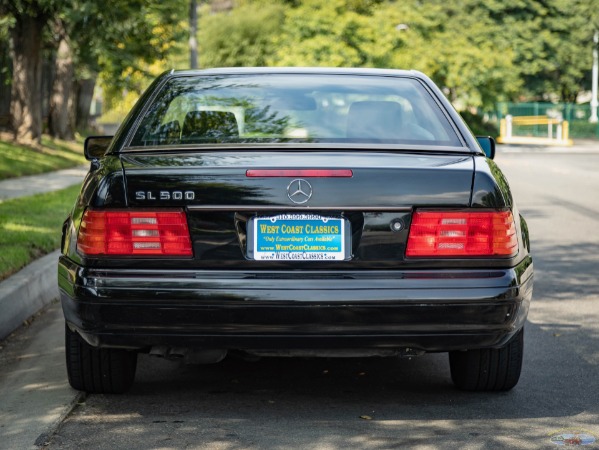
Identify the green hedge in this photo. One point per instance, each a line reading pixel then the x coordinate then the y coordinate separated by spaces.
pixel 478 126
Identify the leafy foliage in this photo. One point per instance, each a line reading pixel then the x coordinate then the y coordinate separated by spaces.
pixel 136 34
pixel 479 126
pixel 551 41
pixel 479 52
pixel 243 37
pixel 331 33
pixel 447 41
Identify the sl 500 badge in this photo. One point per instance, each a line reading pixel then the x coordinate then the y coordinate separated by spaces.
pixel 165 195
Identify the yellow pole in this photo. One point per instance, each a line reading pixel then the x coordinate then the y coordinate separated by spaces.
pixel 502 130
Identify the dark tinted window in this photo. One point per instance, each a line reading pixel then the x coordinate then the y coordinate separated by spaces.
pixel 297 108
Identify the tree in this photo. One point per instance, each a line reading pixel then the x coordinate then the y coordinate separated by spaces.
pixel 28 20
pixel 89 36
pixel 61 120
pixel 193 32
pixel 133 32
pixel 479 52
pixel 334 33
pixel 464 50
pixel 241 37
pixel 450 43
pixel 551 43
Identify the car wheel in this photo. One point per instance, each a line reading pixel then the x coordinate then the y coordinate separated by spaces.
pixel 98 370
pixel 492 369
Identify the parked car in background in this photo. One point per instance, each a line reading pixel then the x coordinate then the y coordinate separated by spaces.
pixel 294 212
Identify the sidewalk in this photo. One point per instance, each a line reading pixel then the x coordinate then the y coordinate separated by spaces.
pixel 27 291
pixel 34 390
pixel 46 182
pixel 581 146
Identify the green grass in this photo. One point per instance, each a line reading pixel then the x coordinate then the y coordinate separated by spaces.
pixel 19 160
pixel 30 227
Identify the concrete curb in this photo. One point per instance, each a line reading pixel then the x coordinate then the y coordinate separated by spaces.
pixel 27 291
pixel 44 439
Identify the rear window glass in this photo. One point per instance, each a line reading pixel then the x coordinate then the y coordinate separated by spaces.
pixel 224 109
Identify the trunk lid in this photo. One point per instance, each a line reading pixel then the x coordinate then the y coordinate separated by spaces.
pixel 221 201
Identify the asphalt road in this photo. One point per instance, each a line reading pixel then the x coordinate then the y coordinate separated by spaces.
pixel 381 404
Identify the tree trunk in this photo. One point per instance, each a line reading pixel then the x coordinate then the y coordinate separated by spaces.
pixel 26 96
pixel 193 33
pixel 60 123
pixel 5 77
pixel 85 95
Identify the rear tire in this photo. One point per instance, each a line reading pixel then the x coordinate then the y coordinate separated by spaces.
pixel 490 369
pixel 98 370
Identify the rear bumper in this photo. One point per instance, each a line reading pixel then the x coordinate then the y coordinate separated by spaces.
pixel 425 310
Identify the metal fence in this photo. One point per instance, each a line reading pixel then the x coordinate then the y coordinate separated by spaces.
pixel 576 115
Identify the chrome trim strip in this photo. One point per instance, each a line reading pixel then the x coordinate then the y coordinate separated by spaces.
pixel 296 208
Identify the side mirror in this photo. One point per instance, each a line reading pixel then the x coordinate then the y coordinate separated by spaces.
pixel 487 144
pixel 95 146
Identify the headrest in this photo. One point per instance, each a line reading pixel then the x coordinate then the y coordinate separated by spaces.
pixel 209 125
pixel 374 120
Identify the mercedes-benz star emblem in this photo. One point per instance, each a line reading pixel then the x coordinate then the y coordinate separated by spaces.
pixel 299 191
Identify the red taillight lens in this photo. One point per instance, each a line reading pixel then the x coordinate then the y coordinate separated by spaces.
pixel 134 233
pixel 447 234
pixel 305 173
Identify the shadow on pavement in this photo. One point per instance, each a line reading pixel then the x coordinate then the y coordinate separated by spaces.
pixel 318 403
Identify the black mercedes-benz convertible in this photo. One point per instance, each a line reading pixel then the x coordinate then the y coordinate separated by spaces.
pixel 294 212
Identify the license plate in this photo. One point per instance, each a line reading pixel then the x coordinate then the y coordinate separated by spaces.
pixel 298 237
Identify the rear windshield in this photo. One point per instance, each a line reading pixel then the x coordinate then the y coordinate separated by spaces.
pixel 294 108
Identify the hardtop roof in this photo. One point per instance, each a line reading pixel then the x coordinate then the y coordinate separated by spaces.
pixel 299 71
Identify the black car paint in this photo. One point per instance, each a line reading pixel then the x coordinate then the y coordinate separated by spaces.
pixel 220 299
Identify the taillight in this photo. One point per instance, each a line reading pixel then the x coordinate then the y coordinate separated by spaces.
pixel 447 234
pixel 134 233
pixel 305 173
